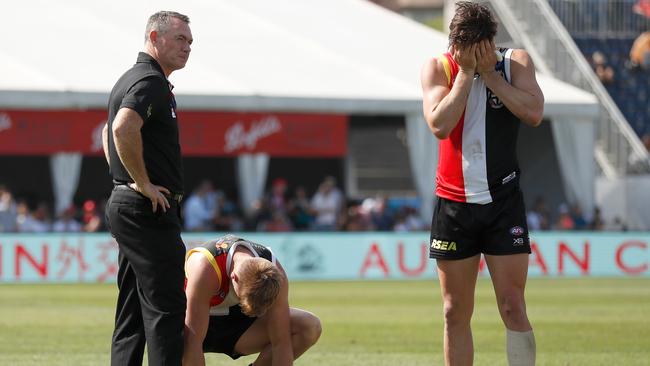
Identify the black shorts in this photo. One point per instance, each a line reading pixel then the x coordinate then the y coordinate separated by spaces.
pixel 462 230
pixel 225 330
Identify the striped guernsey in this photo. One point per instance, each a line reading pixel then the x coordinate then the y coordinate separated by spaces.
pixel 475 165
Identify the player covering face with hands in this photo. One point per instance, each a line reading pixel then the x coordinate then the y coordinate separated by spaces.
pixel 474 98
pixel 237 304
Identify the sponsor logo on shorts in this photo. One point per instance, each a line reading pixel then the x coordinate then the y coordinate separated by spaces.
pixel 443 245
pixel 517 242
pixel 517 231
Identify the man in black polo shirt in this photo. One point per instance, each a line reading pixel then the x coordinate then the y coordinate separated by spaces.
pixel 142 148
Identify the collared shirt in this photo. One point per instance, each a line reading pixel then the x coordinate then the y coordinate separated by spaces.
pixel 145 89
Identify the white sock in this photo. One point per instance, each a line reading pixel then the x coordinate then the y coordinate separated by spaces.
pixel 521 348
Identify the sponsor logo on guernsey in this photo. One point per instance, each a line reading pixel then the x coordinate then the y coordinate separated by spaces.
pixel 443 245
pixel 221 245
pixel 510 177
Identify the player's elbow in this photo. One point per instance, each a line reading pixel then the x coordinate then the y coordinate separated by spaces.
pixel 440 134
pixel 438 128
pixel 536 113
pixel 121 130
pixel 534 117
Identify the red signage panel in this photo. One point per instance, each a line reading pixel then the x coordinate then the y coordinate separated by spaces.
pixel 278 134
pixel 24 132
pixel 46 132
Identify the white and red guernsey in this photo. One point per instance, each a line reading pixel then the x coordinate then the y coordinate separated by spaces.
pixel 477 162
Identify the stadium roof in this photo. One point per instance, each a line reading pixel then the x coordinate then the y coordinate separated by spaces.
pixel 345 56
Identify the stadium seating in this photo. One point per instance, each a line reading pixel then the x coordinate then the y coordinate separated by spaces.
pixel 631 87
pixel 599 26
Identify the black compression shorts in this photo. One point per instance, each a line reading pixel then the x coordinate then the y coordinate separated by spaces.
pixel 224 332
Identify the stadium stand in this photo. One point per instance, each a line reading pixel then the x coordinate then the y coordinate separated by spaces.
pixel 611 27
pixel 631 87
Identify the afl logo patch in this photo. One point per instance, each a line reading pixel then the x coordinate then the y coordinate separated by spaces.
pixel 221 245
pixel 517 231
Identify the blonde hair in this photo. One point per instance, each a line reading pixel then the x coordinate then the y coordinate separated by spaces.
pixel 259 285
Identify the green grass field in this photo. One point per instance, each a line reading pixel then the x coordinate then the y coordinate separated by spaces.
pixel 577 322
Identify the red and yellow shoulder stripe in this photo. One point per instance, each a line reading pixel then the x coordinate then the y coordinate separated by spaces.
pixel 450 66
pixel 210 259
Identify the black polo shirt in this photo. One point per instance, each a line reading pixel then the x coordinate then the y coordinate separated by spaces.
pixel 145 89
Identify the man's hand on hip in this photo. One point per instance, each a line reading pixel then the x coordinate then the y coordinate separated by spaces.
pixel 154 193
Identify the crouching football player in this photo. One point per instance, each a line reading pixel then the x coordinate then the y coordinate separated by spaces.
pixel 237 304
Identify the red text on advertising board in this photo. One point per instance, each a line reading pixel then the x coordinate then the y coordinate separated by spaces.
pixel 638 269
pixel 41 268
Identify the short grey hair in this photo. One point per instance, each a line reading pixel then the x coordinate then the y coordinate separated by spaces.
pixel 160 22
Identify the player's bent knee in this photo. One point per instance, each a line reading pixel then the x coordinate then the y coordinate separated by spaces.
pixel 311 329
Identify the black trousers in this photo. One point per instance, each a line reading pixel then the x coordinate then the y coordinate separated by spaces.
pixel 151 302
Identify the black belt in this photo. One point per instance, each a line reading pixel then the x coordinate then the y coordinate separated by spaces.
pixel 177 197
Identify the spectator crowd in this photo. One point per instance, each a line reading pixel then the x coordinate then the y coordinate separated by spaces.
pixel 17 215
pixel 282 209
pixel 568 217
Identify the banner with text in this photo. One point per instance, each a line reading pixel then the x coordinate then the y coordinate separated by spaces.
pixel 24 132
pixel 27 258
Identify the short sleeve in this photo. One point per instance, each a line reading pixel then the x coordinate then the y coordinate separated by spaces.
pixel 146 96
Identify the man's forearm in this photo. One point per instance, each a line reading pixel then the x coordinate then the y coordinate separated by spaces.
pixel 282 354
pixel 129 149
pixel 526 106
pixel 445 116
pixel 193 355
pixel 105 144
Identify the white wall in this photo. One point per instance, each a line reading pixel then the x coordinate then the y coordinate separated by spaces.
pixel 627 198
